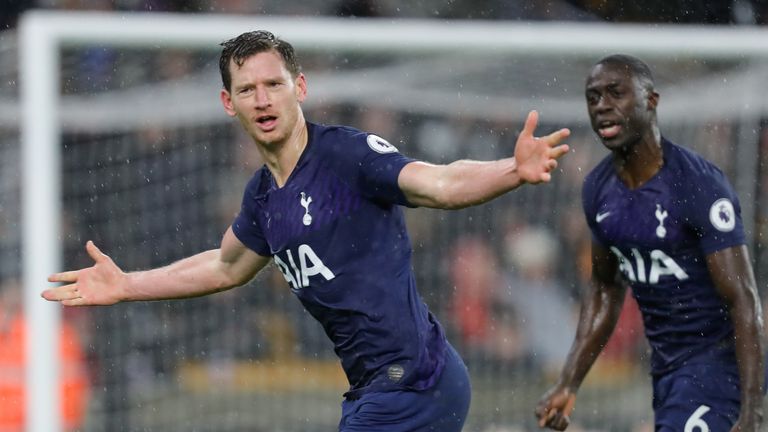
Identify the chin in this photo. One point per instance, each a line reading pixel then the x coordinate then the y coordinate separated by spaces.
pixel 268 138
pixel 614 143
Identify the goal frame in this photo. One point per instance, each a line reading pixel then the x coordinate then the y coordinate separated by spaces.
pixel 42 34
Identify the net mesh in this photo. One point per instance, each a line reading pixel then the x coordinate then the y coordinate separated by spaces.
pixel 153 171
pixel 10 158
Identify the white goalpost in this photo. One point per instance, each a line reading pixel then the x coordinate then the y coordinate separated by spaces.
pixel 45 113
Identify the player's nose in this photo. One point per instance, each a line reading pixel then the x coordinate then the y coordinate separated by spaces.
pixel 262 99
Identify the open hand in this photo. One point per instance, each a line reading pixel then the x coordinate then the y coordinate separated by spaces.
pixel 100 284
pixel 537 157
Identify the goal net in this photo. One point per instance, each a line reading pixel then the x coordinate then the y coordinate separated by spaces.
pixel 123 141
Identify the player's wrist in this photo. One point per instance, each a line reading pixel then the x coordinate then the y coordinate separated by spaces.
pixel 567 385
pixel 123 291
pixel 512 172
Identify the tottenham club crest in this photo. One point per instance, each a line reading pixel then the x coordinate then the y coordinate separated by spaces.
pixel 661 214
pixel 305 202
pixel 722 215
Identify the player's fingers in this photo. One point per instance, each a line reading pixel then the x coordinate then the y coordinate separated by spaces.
pixel 542 419
pixel 547 420
pixel 551 164
pixel 561 423
pixel 555 420
pixel 557 137
pixel 94 252
pixel 75 302
pixel 530 123
pixel 559 151
pixel 569 405
pixel 69 276
pixel 560 419
pixel 66 292
pixel 541 413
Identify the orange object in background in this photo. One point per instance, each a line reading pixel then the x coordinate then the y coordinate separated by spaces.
pixel 74 385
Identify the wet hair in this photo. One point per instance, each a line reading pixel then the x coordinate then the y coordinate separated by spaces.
pixel 238 49
pixel 637 67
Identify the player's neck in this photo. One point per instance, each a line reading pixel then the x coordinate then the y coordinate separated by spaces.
pixel 281 158
pixel 641 162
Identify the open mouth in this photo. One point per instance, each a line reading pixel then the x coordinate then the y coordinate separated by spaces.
pixel 263 120
pixel 608 129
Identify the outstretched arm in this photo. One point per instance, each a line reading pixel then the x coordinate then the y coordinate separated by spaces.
pixel 600 309
pixel 104 283
pixel 465 183
pixel 732 274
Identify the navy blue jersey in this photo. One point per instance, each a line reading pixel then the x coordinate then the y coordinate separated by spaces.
pixel 661 232
pixel 337 233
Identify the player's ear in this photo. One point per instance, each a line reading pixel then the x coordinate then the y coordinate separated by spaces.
pixel 226 100
pixel 653 99
pixel 301 87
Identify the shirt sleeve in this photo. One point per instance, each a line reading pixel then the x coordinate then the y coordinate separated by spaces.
pixel 373 165
pixel 715 212
pixel 246 225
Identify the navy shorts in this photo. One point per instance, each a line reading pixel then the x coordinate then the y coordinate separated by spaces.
pixel 697 398
pixel 442 408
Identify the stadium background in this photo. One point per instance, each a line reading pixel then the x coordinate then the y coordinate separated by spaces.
pixel 503 278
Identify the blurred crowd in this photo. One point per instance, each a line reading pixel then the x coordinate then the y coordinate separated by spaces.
pixel 659 11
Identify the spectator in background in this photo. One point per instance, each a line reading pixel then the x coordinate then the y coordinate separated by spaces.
pixel 235 6
pixel 546 314
pixel 361 8
pixel 678 11
pixel 658 11
pixel 760 9
pixel 381 121
pixel 74 386
pixel 487 328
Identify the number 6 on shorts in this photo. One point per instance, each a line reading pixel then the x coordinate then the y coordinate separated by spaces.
pixel 695 422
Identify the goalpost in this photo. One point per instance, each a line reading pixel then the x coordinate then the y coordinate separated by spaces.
pixel 46 113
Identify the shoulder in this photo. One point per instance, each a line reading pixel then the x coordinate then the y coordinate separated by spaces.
pixel 689 164
pixel 333 136
pixel 344 139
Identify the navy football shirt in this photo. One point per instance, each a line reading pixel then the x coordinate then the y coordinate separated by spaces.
pixel 337 233
pixel 661 232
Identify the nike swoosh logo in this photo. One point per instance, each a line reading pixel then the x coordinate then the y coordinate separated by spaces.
pixel 600 216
